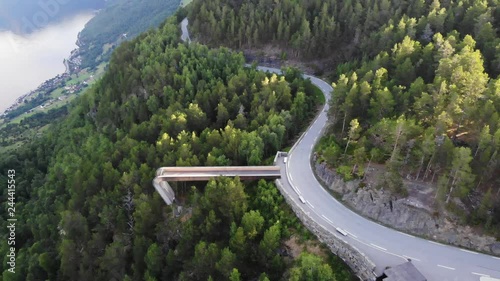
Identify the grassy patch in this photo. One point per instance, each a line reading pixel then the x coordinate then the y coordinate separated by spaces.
pixel 319 98
pixel 100 70
pixel 5 149
pixel 18 119
pixel 78 78
pixel 185 2
pixel 106 47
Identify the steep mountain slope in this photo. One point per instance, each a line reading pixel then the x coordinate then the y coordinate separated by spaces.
pixel 417 87
pixel 343 30
pixel 85 205
pixel 120 20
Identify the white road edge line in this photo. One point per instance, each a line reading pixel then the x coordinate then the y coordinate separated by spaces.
pixel 409 235
pixel 413 259
pixel 447 267
pixel 300 140
pixel 435 243
pixel 327 219
pixel 467 251
pixel 480 274
pixel 376 246
pixel 351 234
pixel 310 204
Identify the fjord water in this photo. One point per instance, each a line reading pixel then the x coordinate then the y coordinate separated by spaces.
pixel 27 61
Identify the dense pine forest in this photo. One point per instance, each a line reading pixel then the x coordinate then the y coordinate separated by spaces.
pixel 118 21
pixel 85 205
pixel 416 91
pixel 346 30
pixel 416 86
pixel 440 127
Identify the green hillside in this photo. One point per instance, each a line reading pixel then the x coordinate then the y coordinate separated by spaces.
pixel 416 86
pixel 343 31
pixel 416 92
pixel 120 20
pixel 85 205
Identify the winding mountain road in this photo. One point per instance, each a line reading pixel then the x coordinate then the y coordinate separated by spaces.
pixel 384 246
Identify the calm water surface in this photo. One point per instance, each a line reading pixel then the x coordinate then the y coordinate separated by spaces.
pixel 27 61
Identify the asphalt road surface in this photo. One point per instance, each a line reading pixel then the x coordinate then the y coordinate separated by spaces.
pixel 184 30
pixel 384 246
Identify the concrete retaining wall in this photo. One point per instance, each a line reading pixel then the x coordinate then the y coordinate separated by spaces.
pixel 362 266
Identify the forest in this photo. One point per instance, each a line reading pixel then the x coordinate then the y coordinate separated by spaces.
pixel 96 43
pixel 347 30
pixel 16 133
pixel 441 128
pixel 416 90
pixel 85 205
pixel 416 86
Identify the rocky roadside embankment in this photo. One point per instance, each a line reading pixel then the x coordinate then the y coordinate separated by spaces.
pixel 409 214
pixel 362 266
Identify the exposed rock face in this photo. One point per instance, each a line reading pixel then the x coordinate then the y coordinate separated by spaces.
pixel 495 248
pixel 413 214
pixel 391 211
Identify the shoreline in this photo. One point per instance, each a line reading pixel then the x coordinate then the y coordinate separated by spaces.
pixel 67 71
